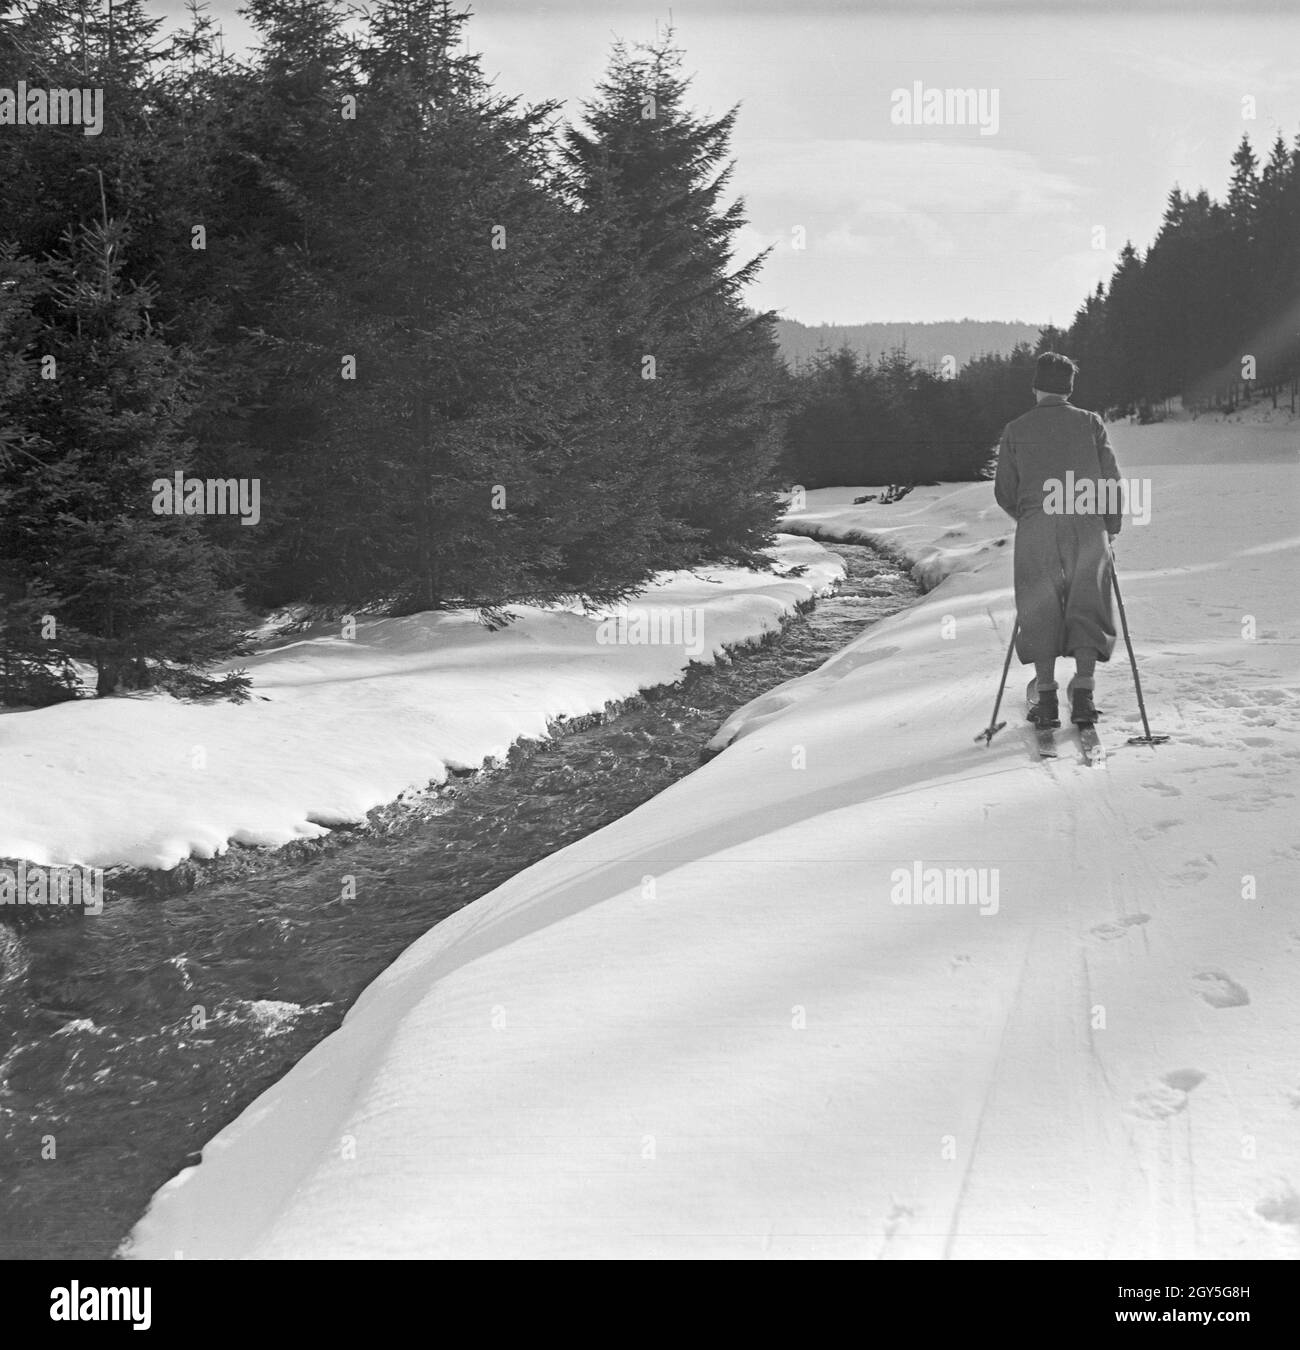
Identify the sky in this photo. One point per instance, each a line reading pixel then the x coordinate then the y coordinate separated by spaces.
pixel 1100 111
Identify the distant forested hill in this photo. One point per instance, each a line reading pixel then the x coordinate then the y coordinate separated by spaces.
pixel 925 342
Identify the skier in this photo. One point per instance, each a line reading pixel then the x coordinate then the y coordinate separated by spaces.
pixel 1062 555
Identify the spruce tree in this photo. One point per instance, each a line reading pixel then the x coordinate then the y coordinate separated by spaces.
pixel 139 595
pixel 481 450
pixel 650 173
pixel 35 667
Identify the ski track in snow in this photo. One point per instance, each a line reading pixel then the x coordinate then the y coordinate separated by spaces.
pixel 1218 707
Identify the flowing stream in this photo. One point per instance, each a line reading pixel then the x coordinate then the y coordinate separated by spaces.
pixel 129 1038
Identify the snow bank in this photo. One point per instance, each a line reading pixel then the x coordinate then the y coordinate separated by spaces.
pixel 941 530
pixel 338 726
pixel 712 1029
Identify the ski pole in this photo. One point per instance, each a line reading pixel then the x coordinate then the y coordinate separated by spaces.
pixel 1146 738
pixel 994 725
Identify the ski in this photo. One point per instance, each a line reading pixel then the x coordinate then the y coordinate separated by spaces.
pixel 1094 752
pixel 1044 737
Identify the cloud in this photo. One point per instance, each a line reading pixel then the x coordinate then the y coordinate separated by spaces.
pixel 920 228
pixel 1230 74
pixel 879 184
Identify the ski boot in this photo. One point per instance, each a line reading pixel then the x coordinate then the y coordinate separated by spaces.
pixel 1083 713
pixel 1044 710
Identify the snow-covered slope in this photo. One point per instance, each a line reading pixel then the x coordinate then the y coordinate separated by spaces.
pixel 339 725
pixel 711 1029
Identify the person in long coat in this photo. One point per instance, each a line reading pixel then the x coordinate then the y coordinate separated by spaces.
pixel 1057 476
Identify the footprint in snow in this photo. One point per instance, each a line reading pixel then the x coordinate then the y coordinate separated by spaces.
pixel 1282 1207
pixel 898 1215
pixel 1164 789
pixel 1168 1097
pixel 1155 828
pixel 1218 989
pixel 1195 870
pixel 1184 1080
pixel 1108 932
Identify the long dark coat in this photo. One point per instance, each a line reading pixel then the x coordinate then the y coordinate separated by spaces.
pixel 1062 577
